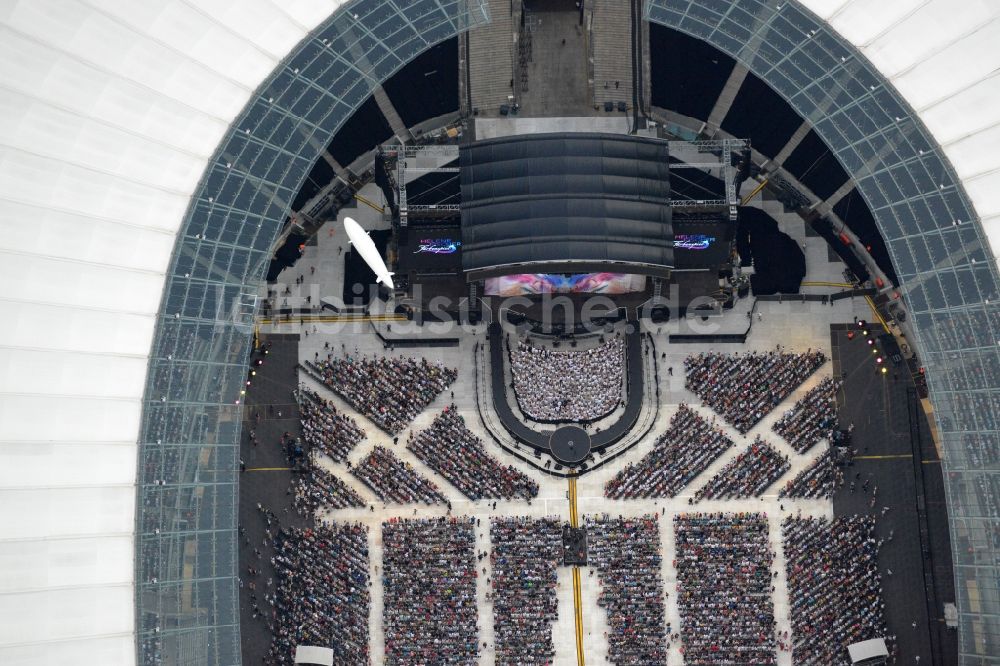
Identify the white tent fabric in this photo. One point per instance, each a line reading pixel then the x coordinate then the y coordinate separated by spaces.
pixel 109 112
pixel 309 654
pixel 942 56
pixel 873 648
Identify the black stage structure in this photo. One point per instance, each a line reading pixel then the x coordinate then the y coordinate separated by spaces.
pixel 566 202
pixel 539 215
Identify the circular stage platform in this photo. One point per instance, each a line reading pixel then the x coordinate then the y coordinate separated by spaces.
pixel 570 444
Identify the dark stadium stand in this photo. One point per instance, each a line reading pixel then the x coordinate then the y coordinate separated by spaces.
pixel 815 166
pixel 779 264
pixel 687 74
pixel 319 177
pixel 759 114
pixel 694 184
pixel 363 131
pixel 428 86
pixel 825 229
pixel 433 188
pixel 285 256
pixel 853 210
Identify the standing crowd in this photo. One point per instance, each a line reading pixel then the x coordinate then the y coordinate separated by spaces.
pixel 744 388
pixel 315 489
pixel 324 427
pixel 568 386
pixel 390 391
pixel 526 553
pixel 834 586
pixel 724 588
pixel 820 479
pixel 626 553
pixel 679 455
pixel 429 574
pixel 395 481
pixel 322 596
pixel 747 475
pixel 814 417
pixel 450 449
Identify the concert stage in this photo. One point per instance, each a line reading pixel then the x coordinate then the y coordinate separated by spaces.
pixel 564 216
pixel 566 202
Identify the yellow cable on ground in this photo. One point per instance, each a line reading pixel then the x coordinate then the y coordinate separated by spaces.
pixel 750 196
pixel 334 319
pixel 875 311
pixel 898 456
pixel 579 616
pixel 577 590
pixel 827 284
pixel 572 502
pixel 369 203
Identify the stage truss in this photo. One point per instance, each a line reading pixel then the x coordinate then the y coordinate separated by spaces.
pixel 415 161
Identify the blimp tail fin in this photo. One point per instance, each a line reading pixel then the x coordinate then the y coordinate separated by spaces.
pixel 379 279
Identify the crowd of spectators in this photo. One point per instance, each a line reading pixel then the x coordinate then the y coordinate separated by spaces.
pixel 834 586
pixel 390 391
pixel 315 489
pixel 429 576
pixel 450 449
pixel 980 450
pixel 724 588
pixel 813 417
pixel 744 388
pixel 395 481
pixel 976 407
pixel 679 455
pixel 626 553
pixel 820 479
pixel 324 427
pixel 321 595
pixel 578 385
pixel 747 475
pixel 525 556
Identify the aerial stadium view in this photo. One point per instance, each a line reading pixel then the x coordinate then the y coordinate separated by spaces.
pixel 500 332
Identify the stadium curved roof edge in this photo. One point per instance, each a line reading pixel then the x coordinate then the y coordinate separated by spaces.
pixel 146 154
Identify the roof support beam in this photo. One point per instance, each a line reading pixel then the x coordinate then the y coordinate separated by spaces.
pixel 725 100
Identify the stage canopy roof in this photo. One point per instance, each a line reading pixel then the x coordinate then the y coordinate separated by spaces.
pixel 567 202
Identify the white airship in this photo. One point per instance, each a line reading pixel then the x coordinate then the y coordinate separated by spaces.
pixel 365 246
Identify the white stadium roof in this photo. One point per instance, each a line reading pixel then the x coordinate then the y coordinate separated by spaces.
pixel 110 111
pixel 942 57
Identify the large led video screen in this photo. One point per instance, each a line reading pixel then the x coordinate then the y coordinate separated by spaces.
pixel 529 284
